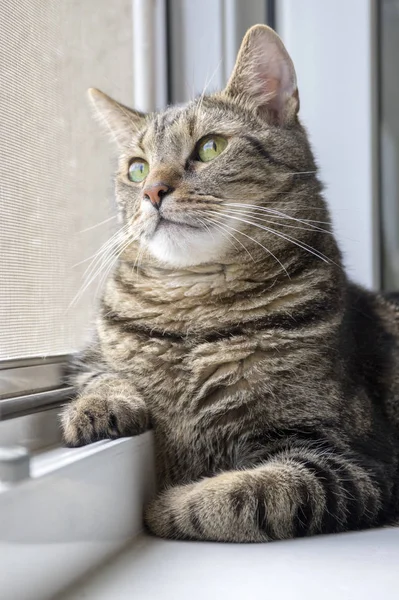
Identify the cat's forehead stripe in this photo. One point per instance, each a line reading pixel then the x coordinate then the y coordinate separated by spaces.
pixel 166 130
pixel 141 139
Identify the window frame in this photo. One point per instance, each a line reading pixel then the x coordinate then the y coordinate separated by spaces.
pixel 344 44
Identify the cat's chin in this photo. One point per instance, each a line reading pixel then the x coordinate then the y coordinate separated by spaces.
pixel 179 245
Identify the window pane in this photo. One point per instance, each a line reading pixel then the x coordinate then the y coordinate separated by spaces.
pixel 54 167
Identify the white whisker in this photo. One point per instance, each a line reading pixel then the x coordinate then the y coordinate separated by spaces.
pixel 105 258
pixel 258 243
pixel 98 224
pixel 275 211
pixel 108 262
pixel 112 263
pixel 137 262
pixel 301 173
pixel 255 215
pixel 302 245
pixel 101 250
pixel 207 84
pixel 228 233
pixel 206 227
pixel 114 240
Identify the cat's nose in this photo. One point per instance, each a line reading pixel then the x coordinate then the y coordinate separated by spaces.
pixel 155 193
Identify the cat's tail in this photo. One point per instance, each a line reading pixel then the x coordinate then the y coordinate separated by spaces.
pixel 294 494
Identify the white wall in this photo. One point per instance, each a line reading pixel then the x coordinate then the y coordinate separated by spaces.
pixel 332 45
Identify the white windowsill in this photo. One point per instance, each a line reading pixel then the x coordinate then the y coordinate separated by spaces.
pixel 76 525
pixel 352 566
pixel 79 507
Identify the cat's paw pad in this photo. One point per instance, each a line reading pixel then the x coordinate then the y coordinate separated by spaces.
pixel 92 418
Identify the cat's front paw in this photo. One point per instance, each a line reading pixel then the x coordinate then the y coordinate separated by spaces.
pixel 91 418
pixel 159 518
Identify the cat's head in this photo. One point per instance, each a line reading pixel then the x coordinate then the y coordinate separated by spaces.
pixel 224 177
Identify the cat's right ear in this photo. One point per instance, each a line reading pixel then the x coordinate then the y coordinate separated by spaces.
pixel 121 122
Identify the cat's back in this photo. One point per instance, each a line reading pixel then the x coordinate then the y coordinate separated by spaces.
pixel 369 345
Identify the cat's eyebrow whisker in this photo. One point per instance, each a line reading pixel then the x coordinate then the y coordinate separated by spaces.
pixel 302 245
pixel 254 215
pixel 256 242
pixel 207 84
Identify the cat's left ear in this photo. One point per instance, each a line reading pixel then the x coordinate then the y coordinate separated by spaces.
pixel 264 77
pixel 122 122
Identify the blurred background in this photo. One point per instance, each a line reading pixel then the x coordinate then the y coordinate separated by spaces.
pixel 56 165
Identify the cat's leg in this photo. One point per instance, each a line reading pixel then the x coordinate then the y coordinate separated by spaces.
pixel 296 493
pixel 107 405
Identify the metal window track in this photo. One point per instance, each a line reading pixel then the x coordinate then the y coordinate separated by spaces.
pixel 20 406
pixel 32 385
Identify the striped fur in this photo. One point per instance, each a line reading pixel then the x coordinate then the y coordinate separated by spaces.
pixel 271 382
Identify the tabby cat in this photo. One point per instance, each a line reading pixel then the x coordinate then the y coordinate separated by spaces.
pixel 229 326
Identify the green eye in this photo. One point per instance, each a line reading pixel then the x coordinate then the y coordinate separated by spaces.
pixel 138 170
pixel 210 147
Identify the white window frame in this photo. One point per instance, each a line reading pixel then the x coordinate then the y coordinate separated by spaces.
pixel 339 108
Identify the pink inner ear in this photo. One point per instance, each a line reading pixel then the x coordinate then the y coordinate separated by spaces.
pixel 272 95
pixel 277 80
pixel 271 88
pixel 265 76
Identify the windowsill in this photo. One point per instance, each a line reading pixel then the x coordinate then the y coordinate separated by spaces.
pixel 348 566
pixel 76 525
pixel 35 432
pixel 79 507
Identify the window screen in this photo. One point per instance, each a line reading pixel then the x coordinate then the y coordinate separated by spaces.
pixel 55 175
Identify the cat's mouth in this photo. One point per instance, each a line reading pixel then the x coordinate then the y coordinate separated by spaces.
pixel 164 223
pixel 176 238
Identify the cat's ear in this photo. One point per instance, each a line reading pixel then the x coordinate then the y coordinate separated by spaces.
pixel 121 122
pixel 264 77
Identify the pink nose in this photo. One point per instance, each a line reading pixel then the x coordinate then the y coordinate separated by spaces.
pixel 156 192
